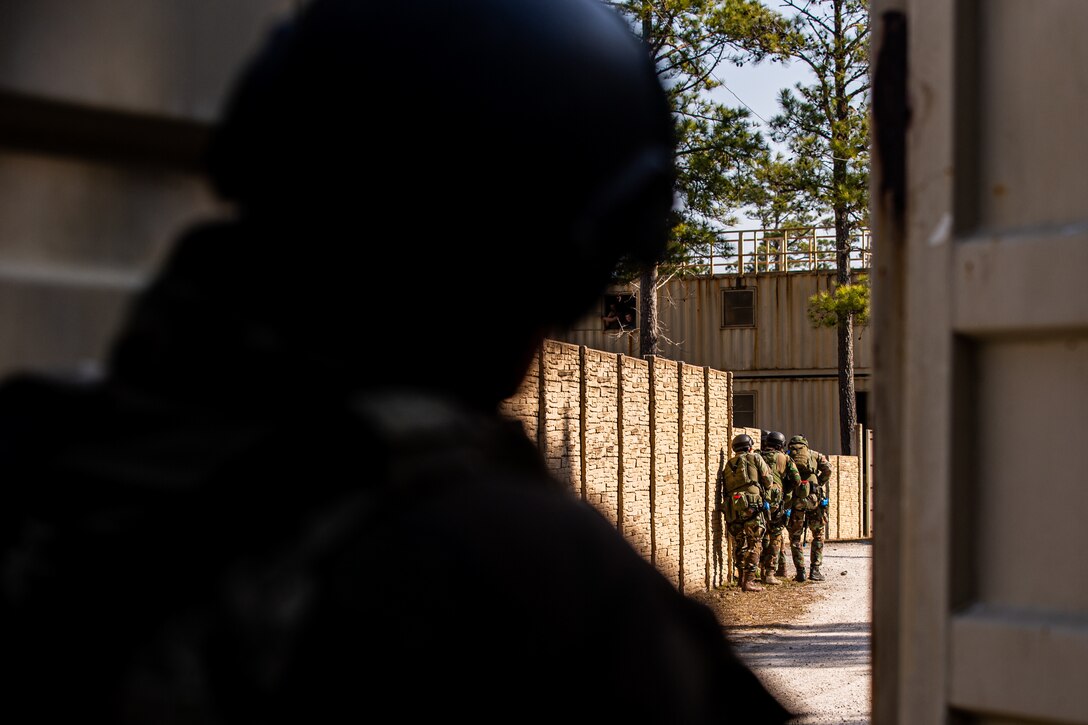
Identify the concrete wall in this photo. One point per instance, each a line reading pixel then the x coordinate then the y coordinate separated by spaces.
pixel 642 441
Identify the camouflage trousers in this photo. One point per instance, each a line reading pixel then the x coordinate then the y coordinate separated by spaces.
pixel 772 545
pixel 747 542
pixel 815 520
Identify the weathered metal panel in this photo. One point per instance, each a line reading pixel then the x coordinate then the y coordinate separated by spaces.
pixel 802 406
pixel 690 314
pixel 597 339
pixel 983 328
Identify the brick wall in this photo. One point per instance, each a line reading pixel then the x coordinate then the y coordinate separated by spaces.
pixel 720 433
pixel 600 381
pixel 844 506
pixel 665 473
pixel 696 497
pixel 642 441
pixel 635 458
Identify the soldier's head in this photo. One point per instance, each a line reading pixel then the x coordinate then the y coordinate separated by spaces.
pixel 775 440
pixel 483 147
pixel 800 440
pixel 742 443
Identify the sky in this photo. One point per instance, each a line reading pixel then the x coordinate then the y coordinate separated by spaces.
pixel 756 87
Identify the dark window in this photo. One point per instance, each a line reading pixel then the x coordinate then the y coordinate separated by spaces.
pixel 861 398
pixel 744 410
pixel 738 307
pixel 619 312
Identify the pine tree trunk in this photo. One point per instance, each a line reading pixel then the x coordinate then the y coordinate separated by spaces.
pixel 647 312
pixel 848 413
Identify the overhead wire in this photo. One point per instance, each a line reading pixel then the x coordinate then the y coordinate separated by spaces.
pixel 756 114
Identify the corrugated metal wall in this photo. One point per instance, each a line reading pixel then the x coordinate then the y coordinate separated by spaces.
pixel 690 311
pixel 805 406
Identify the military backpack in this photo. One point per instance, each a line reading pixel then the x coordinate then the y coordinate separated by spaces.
pixel 743 488
pixel 777 462
pixel 810 492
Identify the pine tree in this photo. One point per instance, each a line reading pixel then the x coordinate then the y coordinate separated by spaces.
pixel 827 125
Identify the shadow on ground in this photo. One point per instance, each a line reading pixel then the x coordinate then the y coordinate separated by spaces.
pixel 807 645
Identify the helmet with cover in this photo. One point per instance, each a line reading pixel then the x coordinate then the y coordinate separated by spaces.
pixel 775 440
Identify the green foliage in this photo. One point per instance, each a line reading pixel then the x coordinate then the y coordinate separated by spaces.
pixel 835 306
pixel 717 146
pixel 826 125
pixel 773 195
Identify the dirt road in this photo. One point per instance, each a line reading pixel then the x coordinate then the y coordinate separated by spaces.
pixel 819 664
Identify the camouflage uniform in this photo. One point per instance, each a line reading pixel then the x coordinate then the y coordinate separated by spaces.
pixel 747 529
pixel 748 543
pixel 786 479
pixel 810 511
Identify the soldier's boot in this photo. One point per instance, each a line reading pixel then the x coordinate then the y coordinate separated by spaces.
pixel 769 579
pixel 800 576
pixel 749 583
pixel 815 574
pixel 781 566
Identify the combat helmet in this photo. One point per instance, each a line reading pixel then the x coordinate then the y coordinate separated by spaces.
pixel 742 442
pixel 775 440
pixel 535 133
pixel 314 131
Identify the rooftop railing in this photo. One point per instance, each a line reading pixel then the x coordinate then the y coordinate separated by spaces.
pixel 757 251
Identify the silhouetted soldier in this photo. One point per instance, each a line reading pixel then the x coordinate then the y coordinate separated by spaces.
pixel 289 500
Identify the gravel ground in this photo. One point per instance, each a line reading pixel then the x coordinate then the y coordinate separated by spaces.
pixel 819 664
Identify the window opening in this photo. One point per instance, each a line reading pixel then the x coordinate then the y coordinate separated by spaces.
pixel 619 312
pixel 738 307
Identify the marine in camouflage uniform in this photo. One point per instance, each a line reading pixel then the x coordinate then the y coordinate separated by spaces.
pixel 809 507
pixel 744 504
pixel 786 480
